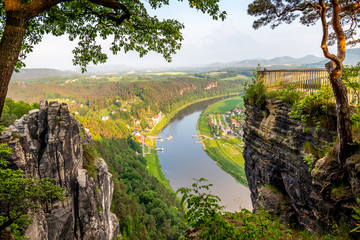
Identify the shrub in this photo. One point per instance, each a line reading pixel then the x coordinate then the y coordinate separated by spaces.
pixel 310 160
pixel 288 93
pixel 90 157
pixel 255 90
pixel 314 109
pixel 19 194
pixel 357 217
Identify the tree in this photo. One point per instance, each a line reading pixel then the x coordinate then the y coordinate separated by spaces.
pixel 339 20
pixel 24 22
pixel 19 194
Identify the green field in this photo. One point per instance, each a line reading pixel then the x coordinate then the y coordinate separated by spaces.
pixel 225 105
pixel 234 78
pixel 154 168
pixel 165 121
pixel 226 152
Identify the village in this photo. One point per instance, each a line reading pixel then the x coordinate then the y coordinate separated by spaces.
pixel 228 124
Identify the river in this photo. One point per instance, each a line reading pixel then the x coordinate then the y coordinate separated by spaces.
pixel 183 160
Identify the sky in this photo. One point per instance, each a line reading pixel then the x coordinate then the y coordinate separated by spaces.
pixel 205 41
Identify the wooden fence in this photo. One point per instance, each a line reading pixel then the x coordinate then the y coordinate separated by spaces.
pixel 310 79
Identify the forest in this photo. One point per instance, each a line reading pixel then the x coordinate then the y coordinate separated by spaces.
pixel 126 101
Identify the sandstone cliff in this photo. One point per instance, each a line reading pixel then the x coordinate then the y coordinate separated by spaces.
pixel 48 143
pixel 281 182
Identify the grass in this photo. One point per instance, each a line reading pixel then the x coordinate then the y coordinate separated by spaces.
pixel 154 168
pixel 229 159
pixel 234 78
pixel 166 119
pixel 166 73
pixel 153 164
pixel 225 105
pixel 226 152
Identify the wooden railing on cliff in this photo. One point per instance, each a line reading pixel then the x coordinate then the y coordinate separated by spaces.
pixel 308 79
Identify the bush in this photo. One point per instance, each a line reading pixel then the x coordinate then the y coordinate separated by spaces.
pixel 90 157
pixel 255 90
pixel 314 109
pixel 204 215
pixel 288 93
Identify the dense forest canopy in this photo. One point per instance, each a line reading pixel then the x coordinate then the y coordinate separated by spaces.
pixel 123 99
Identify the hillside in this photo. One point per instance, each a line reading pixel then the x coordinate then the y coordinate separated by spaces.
pixel 35 73
pixel 113 105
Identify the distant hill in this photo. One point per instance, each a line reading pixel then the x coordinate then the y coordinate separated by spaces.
pixel 352 58
pixel 34 73
pixel 278 62
pixel 309 61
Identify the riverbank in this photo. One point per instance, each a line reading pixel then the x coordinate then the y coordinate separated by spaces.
pixel 167 118
pixel 152 159
pixel 226 151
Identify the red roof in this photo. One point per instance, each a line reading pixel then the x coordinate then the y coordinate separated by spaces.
pixel 233 121
pixel 155 117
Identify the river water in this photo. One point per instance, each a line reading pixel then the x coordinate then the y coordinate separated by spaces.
pixel 183 160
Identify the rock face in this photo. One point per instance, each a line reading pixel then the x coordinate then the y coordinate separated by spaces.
pixel 48 143
pixel 280 181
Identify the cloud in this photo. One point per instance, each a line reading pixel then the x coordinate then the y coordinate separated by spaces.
pixel 226 43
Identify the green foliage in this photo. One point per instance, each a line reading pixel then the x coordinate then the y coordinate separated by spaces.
pixel 255 90
pixel 338 190
pixel 314 109
pixel 356 216
pixel 310 160
pixel 19 194
pixel 204 215
pixel 90 158
pixel 288 93
pixel 128 23
pixel 202 207
pixel 146 209
pixel 14 110
pixel 349 76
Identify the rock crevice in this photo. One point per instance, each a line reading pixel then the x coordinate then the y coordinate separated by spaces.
pixel 48 143
pixel 281 182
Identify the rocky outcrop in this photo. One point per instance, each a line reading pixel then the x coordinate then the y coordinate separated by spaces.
pixel 48 143
pixel 280 181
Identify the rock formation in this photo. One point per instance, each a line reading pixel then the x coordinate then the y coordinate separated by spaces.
pixel 49 143
pixel 281 182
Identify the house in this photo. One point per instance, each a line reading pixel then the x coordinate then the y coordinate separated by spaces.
pixel 123 109
pixel 137 121
pixel 136 134
pixel 105 118
pixel 228 112
pixel 233 121
pixel 113 112
pixel 156 118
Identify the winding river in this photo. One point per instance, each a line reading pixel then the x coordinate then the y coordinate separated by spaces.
pixel 183 160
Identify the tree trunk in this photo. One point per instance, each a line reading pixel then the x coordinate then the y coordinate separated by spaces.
pixel 342 114
pixel 10 47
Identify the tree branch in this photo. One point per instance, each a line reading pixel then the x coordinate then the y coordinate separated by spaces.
pixel 340 36
pixel 289 9
pixel 114 5
pixel 38 6
pixel 12 5
pixel 325 28
pixel 349 7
